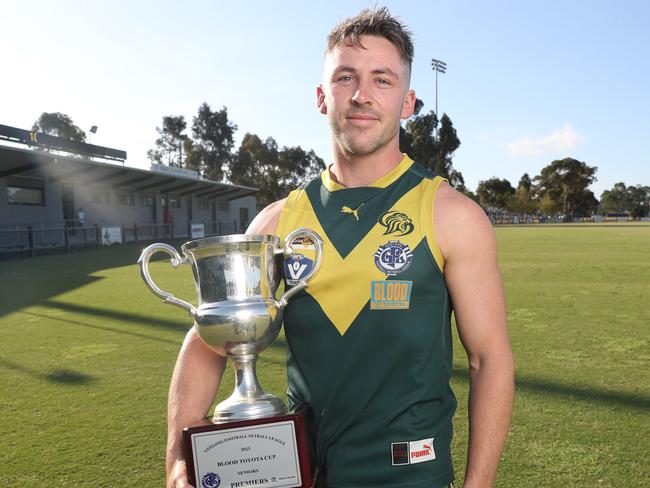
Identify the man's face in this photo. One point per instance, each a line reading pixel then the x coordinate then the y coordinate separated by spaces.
pixel 365 94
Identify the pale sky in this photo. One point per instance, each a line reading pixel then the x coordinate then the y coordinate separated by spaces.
pixel 527 82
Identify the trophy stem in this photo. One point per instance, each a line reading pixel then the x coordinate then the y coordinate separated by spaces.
pixel 248 400
pixel 246 385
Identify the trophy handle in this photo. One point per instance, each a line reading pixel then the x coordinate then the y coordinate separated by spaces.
pixel 176 261
pixel 287 251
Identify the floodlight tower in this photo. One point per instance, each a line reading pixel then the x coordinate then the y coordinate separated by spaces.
pixel 93 130
pixel 439 67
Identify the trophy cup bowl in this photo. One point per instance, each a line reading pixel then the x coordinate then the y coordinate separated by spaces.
pixel 236 279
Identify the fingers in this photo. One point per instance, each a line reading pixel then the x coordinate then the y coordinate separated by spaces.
pixel 178 476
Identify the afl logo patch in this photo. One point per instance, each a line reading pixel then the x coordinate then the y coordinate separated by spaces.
pixel 296 267
pixel 393 258
pixel 396 223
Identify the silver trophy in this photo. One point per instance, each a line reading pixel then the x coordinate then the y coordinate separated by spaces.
pixel 236 279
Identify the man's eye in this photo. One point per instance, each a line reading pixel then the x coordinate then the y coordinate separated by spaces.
pixel 383 81
pixel 345 78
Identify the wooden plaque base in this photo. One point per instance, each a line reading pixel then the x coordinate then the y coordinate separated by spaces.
pixel 249 453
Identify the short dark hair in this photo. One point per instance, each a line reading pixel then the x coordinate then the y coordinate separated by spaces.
pixel 373 22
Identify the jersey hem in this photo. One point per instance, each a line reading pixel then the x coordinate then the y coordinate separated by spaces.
pixel 440 482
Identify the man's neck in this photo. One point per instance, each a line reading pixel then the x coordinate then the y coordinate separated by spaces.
pixel 353 171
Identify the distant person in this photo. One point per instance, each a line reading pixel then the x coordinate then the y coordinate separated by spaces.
pixel 81 217
pixel 372 367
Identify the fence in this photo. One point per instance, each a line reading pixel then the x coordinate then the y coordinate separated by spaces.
pixel 38 237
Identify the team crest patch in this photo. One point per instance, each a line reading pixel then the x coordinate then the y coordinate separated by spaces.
pixel 390 295
pixel 210 480
pixel 393 258
pixel 396 223
pixel 296 267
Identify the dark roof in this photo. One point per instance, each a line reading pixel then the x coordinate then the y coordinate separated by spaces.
pixel 16 161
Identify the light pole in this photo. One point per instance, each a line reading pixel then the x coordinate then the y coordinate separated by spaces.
pixel 93 130
pixel 438 66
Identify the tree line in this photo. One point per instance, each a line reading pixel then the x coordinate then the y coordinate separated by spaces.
pixel 561 188
pixel 275 170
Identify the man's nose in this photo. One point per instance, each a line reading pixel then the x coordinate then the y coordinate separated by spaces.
pixel 361 95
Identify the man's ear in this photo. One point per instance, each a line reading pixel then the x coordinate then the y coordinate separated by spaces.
pixel 409 105
pixel 320 100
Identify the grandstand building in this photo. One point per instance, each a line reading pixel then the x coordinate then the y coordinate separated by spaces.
pixel 60 193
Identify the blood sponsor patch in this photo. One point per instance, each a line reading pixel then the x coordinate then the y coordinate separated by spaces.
pixel 390 295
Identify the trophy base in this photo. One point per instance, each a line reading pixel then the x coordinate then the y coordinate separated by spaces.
pixel 265 453
pixel 235 409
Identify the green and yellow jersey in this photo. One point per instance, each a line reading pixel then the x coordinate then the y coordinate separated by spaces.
pixel 370 339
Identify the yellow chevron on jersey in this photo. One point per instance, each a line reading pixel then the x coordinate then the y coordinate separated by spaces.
pixel 342 286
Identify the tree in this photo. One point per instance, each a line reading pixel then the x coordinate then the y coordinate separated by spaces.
pixel 563 186
pixel 632 199
pixel 418 141
pixel 495 192
pixel 59 125
pixel 615 200
pixel 447 144
pixel 170 144
pixel 639 201
pixel 524 199
pixel 274 171
pixel 213 141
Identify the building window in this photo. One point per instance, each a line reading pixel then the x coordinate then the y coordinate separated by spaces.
pixel 174 201
pixel 25 191
pixel 100 194
pixel 222 205
pixel 147 200
pixel 126 198
pixel 204 204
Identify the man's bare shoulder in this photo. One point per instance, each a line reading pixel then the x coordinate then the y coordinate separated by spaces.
pixel 461 224
pixel 267 220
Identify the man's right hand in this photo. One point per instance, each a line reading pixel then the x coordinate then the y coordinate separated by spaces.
pixel 178 475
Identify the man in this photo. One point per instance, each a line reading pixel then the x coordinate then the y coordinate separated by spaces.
pixel 369 341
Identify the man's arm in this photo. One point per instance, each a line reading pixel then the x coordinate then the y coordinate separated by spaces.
pixel 197 375
pixel 468 244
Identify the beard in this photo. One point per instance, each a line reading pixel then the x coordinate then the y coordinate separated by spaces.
pixel 362 141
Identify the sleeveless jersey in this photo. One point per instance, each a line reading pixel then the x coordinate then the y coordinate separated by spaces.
pixel 370 338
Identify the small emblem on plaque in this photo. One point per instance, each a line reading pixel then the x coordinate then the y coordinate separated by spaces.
pixel 210 480
pixel 393 258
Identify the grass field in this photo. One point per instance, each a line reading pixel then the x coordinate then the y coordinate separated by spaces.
pixel 86 353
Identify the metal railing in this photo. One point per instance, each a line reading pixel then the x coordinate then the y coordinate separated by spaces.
pixel 33 238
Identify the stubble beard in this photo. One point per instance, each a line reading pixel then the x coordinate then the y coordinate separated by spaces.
pixel 360 146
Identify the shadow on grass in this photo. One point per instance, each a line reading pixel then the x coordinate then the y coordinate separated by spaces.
pixel 574 393
pixel 30 281
pixel 60 376
pixel 103 328
pixel 178 325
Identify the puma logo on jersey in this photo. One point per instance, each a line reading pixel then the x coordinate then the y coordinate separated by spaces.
pixel 413 452
pixel 347 210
